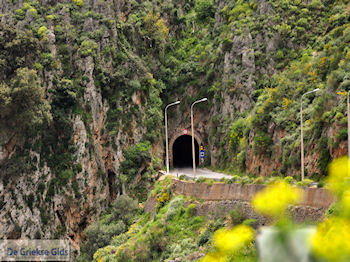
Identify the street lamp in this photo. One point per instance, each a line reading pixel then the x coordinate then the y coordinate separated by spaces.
pixel 193 150
pixel 166 134
pixel 301 131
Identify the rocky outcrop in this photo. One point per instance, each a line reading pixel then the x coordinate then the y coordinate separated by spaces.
pixel 33 203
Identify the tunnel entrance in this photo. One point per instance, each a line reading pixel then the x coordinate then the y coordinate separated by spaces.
pixel 182 151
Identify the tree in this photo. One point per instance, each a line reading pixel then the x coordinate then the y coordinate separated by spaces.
pixel 18 49
pixel 22 105
pixel 204 9
pixel 155 27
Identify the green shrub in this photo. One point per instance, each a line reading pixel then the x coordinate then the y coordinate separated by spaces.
pixel 191 210
pixel 64 177
pixel 305 183
pixel 41 188
pixel 254 223
pixel 204 9
pixel 182 177
pixel 207 234
pixel 79 3
pixel 88 48
pixel 289 179
pixel 173 208
pixel 46 59
pixel 135 156
pixel 262 144
pixel 320 184
pixel 204 237
pixel 234 179
pixel 325 156
pixel 237 216
pixel 119 240
pixel 99 235
pixel 342 135
pixel 124 209
pixel 20 14
pixel 201 179
pixel 245 180
pixel 42 32
pixel 258 180
pixel 209 182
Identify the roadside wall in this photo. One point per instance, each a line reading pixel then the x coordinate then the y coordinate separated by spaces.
pixel 314 197
pixel 218 200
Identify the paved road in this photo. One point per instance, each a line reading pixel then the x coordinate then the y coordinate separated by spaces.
pixel 201 172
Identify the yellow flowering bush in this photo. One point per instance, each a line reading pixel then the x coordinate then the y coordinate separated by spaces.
pixel 286 102
pixel 104 254
pixel 164 197
pixel 339 176
pixel 234 239
pixel 214 257
pixel 274 199
pixel 332 240
pixel 229 241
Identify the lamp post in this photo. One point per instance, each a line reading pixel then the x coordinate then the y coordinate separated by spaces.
pixel 166 134
pixel 192 128
pixel 302 133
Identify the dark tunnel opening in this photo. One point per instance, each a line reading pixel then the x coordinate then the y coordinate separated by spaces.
pixel 182 151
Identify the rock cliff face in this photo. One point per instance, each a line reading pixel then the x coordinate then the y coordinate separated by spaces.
pixel 103 71
pixel 60 198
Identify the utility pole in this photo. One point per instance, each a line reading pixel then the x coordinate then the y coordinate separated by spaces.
pixel 166 134
pixel 192 128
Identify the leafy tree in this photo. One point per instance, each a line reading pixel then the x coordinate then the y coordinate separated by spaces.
pixel 124 209
pixel 99 235
pixel 22 105
pixel 135 156
pixel 155 27
pixel 42 32
pixel 18 49
pixel 65 93
pixel 88 47
pixel 204 9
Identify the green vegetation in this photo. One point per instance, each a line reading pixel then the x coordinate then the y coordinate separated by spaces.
pixel 113 223
pixel 135 156
pixel 23 98
pixel 174 231
pixel 116 67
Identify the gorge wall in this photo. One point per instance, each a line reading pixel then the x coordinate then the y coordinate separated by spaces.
pixel 83 86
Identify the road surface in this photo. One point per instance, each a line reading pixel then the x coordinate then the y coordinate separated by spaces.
pixel 201 172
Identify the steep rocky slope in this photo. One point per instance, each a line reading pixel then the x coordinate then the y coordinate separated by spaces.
pixel 84 82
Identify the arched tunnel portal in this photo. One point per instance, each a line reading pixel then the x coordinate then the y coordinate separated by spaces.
pixel 180 150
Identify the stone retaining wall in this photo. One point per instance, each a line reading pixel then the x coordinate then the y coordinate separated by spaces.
pixel 220 199
pixel 314 197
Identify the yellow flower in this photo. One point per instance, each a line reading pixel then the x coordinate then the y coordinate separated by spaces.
pixel 339 175
pixel 286 102
pixel 344 93
pixel 332 240
pixel 228 241
pixel 214 257
pixel 274 199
